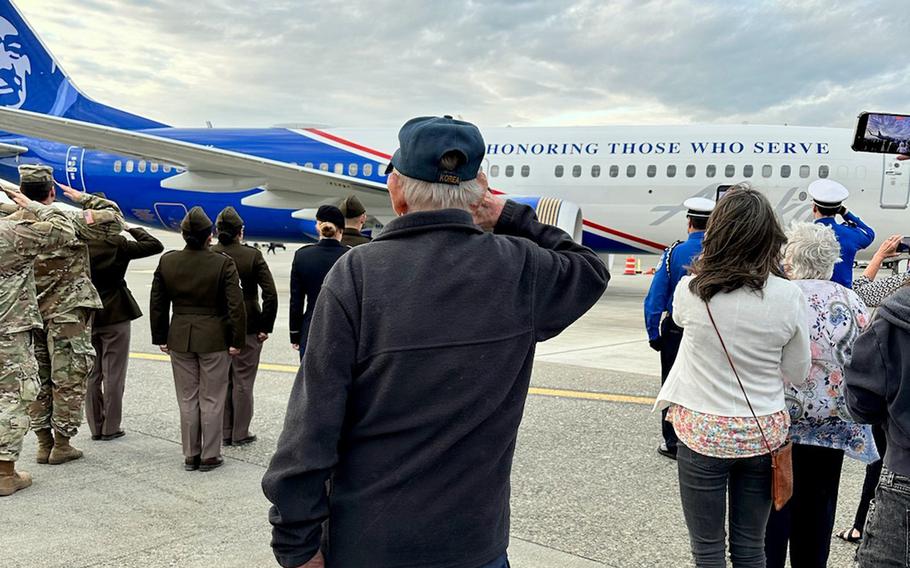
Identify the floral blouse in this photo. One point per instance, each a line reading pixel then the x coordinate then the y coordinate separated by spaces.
pixel 818 410
pixel 728 436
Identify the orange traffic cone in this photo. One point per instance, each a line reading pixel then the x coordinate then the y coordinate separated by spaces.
pixel 630 266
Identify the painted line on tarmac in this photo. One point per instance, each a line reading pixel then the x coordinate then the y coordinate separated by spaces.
pixel 540 391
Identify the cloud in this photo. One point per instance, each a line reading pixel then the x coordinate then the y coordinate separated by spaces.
pixel 498 62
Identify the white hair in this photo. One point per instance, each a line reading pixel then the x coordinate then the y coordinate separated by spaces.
pixel 811 251
pixel 427 196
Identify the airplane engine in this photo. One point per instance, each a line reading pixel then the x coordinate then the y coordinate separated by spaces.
pixel 563 214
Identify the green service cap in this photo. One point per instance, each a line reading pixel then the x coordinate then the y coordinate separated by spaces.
pixel 229 219
pixel 196 221
pixel 352 208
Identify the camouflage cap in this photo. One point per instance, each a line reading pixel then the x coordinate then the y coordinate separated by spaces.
pixel 352 208
pixel 35 173
pixel 196 221
pixel 229 219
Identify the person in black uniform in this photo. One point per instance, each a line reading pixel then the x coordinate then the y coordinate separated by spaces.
pixel 355 215
pixel 254 275
pixel 311 265
pixel 207 329
pixel 109 259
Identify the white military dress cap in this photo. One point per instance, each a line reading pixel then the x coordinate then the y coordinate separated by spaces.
pixel 699 207
pixel 827 193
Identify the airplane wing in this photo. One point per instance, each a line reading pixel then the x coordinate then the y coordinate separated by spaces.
pixel 207 168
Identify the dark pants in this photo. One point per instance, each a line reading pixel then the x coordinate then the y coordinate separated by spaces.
pixel 873 473
pixel 670 337
pixel 807 521
pixel 887 533
pixel 107 379
pixel 501 562
pixel 704 485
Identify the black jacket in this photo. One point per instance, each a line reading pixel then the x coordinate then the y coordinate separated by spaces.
pixel 413 387
pixel 311 264
pixel 254 275
pixel 109 260
pixel 878 378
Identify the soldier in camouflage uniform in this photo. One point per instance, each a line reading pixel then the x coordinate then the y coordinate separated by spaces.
pixel 21 241
pixel 66 300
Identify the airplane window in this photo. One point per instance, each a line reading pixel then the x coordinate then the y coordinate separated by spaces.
pixel 368 169
pixel 129 166
pixel 747 171
pixel 352 169
pixel 142 166
pixel 494 171
pixel 324 167
pixel 671 171
pixel 711 170
pixel 595 171
pixel 380 170
pixel 730 170
pixel 510 171
pixel 576 171
pixel 804 171
pixel 153 167
pixel 614 171
pixel 308 165
pixel 558 171
pixel 118 165
pixel 166 168
pixel 652 171
pixel 339 168
pixel 525 171
pixel 823 171
pixel 766 170
pixel 843 172
pixel 690 170
pixel 630 171
pixel 785 171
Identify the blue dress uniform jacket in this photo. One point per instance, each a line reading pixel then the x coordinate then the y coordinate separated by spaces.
pixel 853 236
pixel 660 296
pixel 413 387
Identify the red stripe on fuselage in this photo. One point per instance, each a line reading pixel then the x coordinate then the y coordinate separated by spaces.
pixel 588 223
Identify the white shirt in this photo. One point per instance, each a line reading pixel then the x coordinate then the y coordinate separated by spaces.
pixel 767 336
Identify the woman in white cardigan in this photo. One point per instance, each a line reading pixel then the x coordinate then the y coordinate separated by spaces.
pixel 762 318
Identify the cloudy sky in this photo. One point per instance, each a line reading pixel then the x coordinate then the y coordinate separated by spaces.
pixel 496 62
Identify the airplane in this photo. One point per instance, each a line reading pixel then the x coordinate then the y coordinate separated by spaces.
pixel 616 189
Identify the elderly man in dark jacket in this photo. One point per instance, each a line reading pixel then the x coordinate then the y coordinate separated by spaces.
pixel 418 367
pixel 878 392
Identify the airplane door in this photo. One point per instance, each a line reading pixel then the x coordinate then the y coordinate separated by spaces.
pixel 895 183
pixel 170 214
pixel 75 178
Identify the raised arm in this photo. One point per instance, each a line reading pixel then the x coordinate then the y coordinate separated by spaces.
pixel 143 245
pixel 100 217
pixel 866 230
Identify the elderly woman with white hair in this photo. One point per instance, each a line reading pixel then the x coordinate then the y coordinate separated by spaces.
pixel 821 428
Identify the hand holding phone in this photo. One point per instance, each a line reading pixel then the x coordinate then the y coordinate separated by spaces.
pixel 904 245
pixel 882 133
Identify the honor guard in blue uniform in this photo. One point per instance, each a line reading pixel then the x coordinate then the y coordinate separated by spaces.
pixel 853 235
pixel 665 336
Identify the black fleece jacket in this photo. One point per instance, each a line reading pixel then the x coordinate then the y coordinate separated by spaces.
pixel 878 378
pixel 413 386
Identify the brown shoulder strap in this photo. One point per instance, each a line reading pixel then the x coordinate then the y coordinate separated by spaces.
pixel 738 380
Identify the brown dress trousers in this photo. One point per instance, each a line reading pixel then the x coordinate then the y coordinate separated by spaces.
pixel 107 379
pixel 238 410
pixel 201 391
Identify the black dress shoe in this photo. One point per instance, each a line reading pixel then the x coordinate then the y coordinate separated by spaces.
pixel 211 463
pixel 191 464
pixel 226 442
pixel 248 440
pixel 96 437
pixel 666 452
pixel 114 436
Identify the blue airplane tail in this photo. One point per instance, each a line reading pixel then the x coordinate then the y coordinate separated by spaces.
pixel 31 79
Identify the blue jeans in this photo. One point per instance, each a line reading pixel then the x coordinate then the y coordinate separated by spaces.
pixel 886 538
pixel 501 562
pixel 705 483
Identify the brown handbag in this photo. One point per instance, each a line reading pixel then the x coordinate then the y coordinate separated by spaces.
pixel 782 457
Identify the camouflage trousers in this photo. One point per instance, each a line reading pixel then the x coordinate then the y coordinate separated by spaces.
pixel 18 387
pixel 65 356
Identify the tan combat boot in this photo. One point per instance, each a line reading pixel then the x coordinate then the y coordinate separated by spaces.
pixel 12 480
pixel 63 451
pixel 45 444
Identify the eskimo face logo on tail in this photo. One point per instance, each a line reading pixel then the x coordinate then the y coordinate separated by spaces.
pixel 15 67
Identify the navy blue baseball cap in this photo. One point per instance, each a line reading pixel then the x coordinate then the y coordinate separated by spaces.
pixel 424 140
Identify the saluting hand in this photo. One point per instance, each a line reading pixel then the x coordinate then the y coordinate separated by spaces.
pixel 317 561
pixel 72 194
pixel 487 211
pixel 17 197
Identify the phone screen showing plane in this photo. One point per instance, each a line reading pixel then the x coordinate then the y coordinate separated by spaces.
pixel 885 134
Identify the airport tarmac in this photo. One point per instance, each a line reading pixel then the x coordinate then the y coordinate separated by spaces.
pixel 588 487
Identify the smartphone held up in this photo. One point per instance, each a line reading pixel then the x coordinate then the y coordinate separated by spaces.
pixel 882 133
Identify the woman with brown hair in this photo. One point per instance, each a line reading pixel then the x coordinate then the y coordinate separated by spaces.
pixel 761 317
